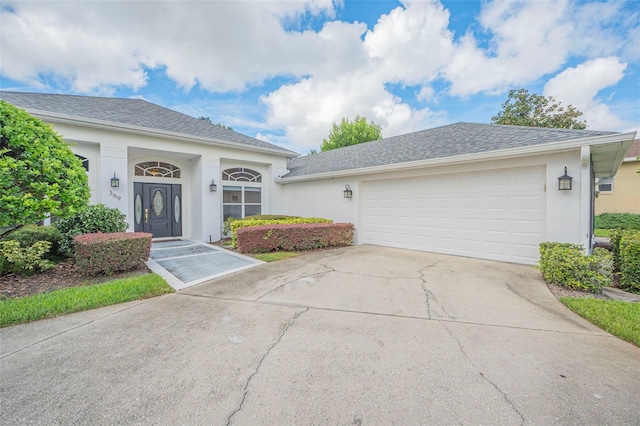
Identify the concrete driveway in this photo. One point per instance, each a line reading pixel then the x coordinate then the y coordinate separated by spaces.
pixel 354 336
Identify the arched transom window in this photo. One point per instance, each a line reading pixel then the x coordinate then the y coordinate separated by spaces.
pixel 157 169
pixel 240 174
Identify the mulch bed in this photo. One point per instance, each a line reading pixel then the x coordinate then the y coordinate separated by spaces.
pixel 64 275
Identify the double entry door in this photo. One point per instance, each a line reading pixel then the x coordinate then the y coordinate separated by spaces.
pixel 158 209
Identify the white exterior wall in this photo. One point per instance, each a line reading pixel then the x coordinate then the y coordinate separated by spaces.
pixel 324 198
pixel 115 151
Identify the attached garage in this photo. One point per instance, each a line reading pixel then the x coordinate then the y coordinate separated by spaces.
pixel 497 215
pixel 476 190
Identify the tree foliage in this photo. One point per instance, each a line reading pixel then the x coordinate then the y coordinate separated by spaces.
pixel 208 120
pixel 39 175
pixel 524 109
pixel 351 133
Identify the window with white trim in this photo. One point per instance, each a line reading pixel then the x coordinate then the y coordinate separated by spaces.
pixel 243 197
pixel 606 185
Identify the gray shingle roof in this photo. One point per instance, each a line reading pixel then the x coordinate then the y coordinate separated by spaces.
pixel 440 142
pixel 135 112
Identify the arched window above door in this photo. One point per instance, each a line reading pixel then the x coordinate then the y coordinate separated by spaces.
pixel 241 174
pixel 157 169
pixel 84 160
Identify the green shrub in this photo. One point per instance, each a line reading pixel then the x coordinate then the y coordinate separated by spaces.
pixel 226 229
pixel 629 266
pixel 301 236
pixel 25 260
pixel 28 235
pixel 244 223
pixel 104 254
pixel 616 238
pixel 565 264
pixel 618 221
pixel 94 218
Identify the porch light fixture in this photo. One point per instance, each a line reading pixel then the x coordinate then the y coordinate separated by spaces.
pixel 348 193
pixel 212 186
pixel 115 182
pixel 564 181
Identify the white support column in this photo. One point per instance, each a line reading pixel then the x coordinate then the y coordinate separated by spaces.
pixel 114 160
pixel 211 209
pixel 585 198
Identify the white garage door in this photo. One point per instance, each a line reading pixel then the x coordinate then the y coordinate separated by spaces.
pixel 496 215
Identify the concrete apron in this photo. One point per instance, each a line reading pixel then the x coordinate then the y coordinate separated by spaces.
pixel 361 335
pixel 183 263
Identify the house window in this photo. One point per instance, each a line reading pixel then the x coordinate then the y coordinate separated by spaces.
pixel 240 174
pixel 84 160
pixel 605 185
pixel 244 197
pixel 157 169
pixel 241 201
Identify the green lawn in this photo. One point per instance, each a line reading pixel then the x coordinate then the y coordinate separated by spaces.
pixel 275 255
pixel 602 232
pixel 622 319
pixel 75 299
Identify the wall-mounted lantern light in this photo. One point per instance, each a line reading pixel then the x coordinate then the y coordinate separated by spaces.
pixel 348 193
pixel 115 182
pixel 212 186
pixel 564 181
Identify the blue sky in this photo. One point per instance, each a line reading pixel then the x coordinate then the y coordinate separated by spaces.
pixel 285 71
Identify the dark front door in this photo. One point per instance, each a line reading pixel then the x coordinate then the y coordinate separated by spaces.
pixel 158 209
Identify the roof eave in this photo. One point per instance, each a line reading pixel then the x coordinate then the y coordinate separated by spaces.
pixel 502 154
pixel 146 131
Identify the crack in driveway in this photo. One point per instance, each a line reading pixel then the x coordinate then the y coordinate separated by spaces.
pixel 257 369
pixel 503 393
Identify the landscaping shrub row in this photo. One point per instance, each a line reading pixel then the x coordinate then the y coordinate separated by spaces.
pixel 302 236
pixel 250 222
pixel 625 246
pixel 104 254
pixel 629 221
pixel 565 264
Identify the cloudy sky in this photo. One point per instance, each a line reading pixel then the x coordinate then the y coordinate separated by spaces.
pixel 285 71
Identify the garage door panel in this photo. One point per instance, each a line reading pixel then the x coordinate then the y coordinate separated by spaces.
pixel 497 214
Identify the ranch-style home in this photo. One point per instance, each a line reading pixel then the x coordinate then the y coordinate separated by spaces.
pixel 477 190
pixel 621 194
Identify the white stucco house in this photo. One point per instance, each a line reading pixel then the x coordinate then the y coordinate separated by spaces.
pixel 477 190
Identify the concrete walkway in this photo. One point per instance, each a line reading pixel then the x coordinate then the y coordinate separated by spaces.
pixel 184 263
pixel 361 335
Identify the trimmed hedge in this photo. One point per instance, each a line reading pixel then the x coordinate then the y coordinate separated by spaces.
pixel 94 218
pixel 244 223
pixel 629 265
pixel 618 221
pixel 566 265
pixel 302 236
pixel 104 254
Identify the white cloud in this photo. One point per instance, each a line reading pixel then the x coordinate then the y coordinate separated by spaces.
pixel 307 110
pixel 340 70
pixel 580 85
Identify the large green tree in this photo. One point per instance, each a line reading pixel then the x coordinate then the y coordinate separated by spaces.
pixel 208 120
pixel 351 133
pixel 39 175
pixel 525 109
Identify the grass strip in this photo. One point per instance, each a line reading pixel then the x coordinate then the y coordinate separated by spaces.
pixel 275 255
pixel 602 232
pixel 76 299
pixel 622 319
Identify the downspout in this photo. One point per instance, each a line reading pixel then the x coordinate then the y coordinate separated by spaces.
pixel 586 199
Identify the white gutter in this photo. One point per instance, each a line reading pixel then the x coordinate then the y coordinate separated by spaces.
pixel 146 131
pixel 468 158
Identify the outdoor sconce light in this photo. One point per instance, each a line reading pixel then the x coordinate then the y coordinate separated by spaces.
pixel 212 186
pixel 564 181
pixel 348 193
pixel 115 182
